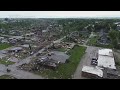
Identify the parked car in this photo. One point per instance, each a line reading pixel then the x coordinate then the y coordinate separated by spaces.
pixel 94 62
pixel 94 58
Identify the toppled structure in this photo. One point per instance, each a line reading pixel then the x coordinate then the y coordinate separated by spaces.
pixel 15 49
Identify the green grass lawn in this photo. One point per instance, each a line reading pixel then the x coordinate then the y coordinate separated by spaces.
pixel 6 62
pixel 65 71
pixel 6 77
pixel 92 40
pixel 4 46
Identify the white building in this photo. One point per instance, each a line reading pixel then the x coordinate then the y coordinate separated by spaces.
pixel 106 59
pixel 93 71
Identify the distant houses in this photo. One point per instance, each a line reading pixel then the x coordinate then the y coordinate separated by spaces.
pixel 15 39
pixel 103 38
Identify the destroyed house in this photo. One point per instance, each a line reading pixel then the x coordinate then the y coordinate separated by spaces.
pixel 4 41
pixel 110 73
pixel 3 54
pixel 104 39
pixel 59 56
pixel 52 60
pixel 48 63
pixel 16 33
pixel 29 34
pixel 84 33
pixel 25 45
pixel 16 38
pixel 1 38
pixel 15 49
pixel 74 34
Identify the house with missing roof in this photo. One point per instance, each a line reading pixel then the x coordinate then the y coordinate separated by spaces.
pixel 15 49
pixel 53 59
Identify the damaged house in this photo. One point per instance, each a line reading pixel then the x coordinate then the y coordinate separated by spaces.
pixel 84 33
pixel 103 39
pixel 15 39
pixel 29 34
pixel 53 59
pixel 2 54
pixel 74 36
pixel 15 49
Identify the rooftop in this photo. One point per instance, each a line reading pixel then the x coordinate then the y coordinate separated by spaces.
pixel 93 70
pixel 16 48
pixel 105 61
pixel 58 56
pixel 25 45
pixel 106 52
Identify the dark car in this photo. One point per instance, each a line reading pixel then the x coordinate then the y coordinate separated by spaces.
pixel 94 58
pixel 8 70
pixel 94 62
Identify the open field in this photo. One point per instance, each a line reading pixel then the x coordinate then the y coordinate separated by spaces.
pixel 6 77
pixel 4 46
pixel 6 62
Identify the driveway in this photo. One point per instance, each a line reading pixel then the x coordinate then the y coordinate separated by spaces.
pixel 86 60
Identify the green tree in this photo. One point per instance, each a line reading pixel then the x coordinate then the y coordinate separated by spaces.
pixel 114 36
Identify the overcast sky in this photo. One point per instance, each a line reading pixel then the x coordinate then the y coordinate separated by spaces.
pixel 58 14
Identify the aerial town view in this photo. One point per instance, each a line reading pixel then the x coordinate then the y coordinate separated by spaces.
pixel 59 48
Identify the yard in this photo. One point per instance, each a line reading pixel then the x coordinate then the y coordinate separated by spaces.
pixel 6 62
pixel 92 41
pixel 65 71
pixel 4 46
pixel 6 77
